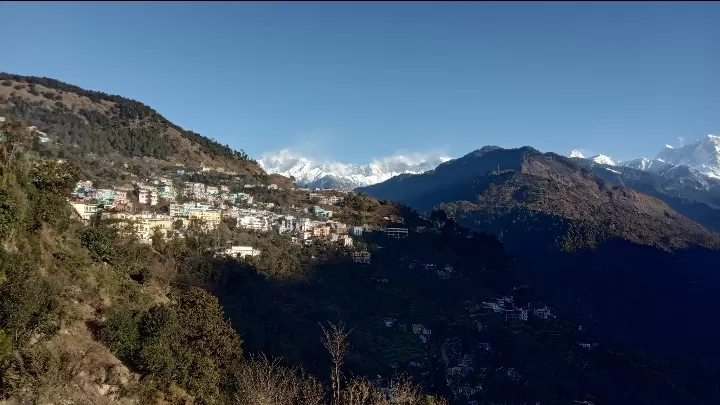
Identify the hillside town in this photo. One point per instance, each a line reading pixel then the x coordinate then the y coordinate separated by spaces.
pixel 165 208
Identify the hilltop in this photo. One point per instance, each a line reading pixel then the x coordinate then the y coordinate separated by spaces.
pixel 89 126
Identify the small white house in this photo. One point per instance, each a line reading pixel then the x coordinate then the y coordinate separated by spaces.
pixel 241 251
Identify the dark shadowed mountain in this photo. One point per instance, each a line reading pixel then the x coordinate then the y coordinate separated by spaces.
pixel 611 257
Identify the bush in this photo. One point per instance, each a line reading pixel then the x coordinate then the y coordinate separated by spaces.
pixel 100 242
pixel 121 332
pixel 6 347
pixel 7 83
pixel 28 304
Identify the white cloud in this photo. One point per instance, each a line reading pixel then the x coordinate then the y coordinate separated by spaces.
pixel 682 140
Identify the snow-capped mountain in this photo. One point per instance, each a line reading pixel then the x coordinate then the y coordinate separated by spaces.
pixel 576 154
pixel 346 176
pixel 685 178
pixel 604 160
pixel 702 157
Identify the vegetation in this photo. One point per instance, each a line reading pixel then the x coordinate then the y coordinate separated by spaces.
pixel 98 124
pixel 136 301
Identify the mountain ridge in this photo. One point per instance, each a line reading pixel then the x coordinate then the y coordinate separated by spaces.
pixel 458 180
pixel 86 123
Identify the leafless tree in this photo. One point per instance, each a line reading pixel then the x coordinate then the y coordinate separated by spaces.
pixel 335 340
pixel 360 391
pixel 403 391
pixel 265 381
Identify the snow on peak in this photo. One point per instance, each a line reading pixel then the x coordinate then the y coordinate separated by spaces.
pixel 603 160
pixel 668 146
pixel 703 156
pixel 346 176
pixel 576 154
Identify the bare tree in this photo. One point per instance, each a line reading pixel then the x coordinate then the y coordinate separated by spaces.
pixel 360 391
pixel 335 340
pixel 265 381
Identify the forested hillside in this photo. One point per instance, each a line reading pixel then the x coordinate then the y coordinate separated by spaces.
pixel 86 124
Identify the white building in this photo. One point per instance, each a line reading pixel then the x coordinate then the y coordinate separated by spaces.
pixel 87 211
pixel 241 251
pixel 396 233
pixel 356 230
pixel 254 222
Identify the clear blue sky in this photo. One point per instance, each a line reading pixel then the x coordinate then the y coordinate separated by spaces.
pixel 360 80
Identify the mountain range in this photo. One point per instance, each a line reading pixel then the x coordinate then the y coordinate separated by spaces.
pixel 702 157
pixel 309 173
pixel 689 169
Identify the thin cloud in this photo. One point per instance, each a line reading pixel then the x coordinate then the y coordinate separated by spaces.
pixel 682 140
pixel 319 146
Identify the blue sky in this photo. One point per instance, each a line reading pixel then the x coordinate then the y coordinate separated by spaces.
pixel 353 81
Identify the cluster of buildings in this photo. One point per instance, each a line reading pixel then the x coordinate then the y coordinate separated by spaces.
pixel 513 314
pixel 208 207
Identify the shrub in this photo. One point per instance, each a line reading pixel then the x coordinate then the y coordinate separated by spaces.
pixel 121 332
pixel 100 242
pixel 6 347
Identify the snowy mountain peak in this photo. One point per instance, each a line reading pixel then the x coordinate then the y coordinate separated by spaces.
pixel 603 160
pixel 346 176
pixel 668 146
pixel 576 154
pixel 703 156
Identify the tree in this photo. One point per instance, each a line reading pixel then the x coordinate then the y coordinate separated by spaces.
pixel 100 242
pixel 15 139
pixel 56 178
pixel 335 340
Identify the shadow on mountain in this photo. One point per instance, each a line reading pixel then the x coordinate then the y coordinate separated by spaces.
pixel 281 317
pixel 658 301
pixel 618 261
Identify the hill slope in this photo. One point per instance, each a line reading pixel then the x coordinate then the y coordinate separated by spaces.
pixel 609 256
pixel 88 124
